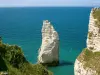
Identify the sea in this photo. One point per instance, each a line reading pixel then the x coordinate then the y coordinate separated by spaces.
pixel 22 26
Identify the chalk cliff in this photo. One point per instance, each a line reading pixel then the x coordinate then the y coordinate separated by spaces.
pixel 93 40
pixel 49 50
pixel 88 62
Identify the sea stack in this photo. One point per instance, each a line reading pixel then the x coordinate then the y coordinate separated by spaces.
pixel 49 50
pixel 88 62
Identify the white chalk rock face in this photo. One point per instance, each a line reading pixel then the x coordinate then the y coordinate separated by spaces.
pixel 93 45
pixel 49 50
pixel 79 69
pixel 93 41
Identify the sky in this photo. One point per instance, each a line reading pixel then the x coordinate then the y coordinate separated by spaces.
pixel 18 3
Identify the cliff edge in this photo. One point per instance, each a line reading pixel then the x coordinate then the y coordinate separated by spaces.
pixel 87 63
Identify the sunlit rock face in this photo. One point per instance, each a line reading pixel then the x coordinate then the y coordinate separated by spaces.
pixel 80 70
pixel 49 50
pixel 93 40
pixel 87 63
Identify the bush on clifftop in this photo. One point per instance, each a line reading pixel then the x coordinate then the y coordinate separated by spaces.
pixel 12 61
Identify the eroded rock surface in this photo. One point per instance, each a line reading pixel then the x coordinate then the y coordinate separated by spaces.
pixel 49 50
pixel 87 62
pixel 93 40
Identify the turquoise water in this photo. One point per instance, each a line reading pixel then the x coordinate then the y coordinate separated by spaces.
pixel 22 26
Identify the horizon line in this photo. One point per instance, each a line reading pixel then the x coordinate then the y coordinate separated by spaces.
pixel 45 6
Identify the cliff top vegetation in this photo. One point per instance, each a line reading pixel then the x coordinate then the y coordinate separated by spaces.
pixel 96 15
pixel 90 60
pixel 13 62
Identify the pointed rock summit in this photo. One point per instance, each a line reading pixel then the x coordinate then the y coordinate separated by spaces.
pixel 49 50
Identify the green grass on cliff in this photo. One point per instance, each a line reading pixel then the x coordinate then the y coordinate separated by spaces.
pixel 96 15
pixel 12 60
pixel 90 60
pixel 29 69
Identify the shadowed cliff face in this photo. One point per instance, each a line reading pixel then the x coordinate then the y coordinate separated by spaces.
pixel 88 62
